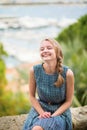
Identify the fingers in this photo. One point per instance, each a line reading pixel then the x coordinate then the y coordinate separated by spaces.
pixel 45 115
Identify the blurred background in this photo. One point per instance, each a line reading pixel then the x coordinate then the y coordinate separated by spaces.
pixel 23 24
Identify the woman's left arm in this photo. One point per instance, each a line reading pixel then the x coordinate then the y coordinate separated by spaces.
pixel 69 94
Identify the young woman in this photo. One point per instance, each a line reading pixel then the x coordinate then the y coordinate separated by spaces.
pixel 54 83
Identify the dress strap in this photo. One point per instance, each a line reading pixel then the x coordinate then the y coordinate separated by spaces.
pixel 65 68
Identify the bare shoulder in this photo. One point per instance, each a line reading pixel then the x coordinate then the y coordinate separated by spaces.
pixel 70 78
pixel 70 81
pixel 31 75
pixel 69 73
pixel 31 71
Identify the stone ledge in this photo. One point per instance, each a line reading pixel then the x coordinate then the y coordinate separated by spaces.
pixel 79 119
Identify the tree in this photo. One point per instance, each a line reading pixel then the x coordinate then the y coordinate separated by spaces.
pixel 77 30
pixel 10 103
pixel 74 43
pixel 3 80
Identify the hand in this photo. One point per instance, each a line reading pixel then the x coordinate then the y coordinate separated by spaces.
pixel 45 115
pixel 53 115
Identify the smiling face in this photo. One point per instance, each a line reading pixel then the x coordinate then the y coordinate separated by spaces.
pixel 47 51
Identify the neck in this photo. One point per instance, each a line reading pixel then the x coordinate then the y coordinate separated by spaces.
pixel 50 67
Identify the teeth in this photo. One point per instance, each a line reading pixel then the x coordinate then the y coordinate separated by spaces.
pixel 46 55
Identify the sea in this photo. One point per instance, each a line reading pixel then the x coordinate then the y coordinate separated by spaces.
pixel 22 28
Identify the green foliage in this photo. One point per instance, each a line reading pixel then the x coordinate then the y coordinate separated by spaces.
pixel 75 57
pixel 13 103
pixel 75 102
pixel 23 75
pixel 3 80
pixel 10 103
pixel 83 30
pixel 73 40
pixel 74 31
pixel 2 51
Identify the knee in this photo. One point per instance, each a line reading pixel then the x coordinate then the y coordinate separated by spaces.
pixel 37 128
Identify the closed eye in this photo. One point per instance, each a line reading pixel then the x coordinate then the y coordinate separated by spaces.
pixel 49 47
pixel 41 49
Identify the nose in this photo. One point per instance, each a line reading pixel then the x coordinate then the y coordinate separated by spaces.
pixel 45 49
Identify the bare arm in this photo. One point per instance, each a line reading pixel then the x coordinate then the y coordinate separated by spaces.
pixel 34 101
pixel 69 93
pixel 32 92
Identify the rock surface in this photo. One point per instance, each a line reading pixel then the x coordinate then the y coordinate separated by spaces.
pixel 79 119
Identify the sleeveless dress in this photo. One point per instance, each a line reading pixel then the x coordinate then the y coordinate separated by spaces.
pixel 50 98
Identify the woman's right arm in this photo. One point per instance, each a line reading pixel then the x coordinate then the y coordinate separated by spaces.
pixel 34 101
pixel 32 92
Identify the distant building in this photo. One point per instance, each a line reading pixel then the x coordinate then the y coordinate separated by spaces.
pixel 41 1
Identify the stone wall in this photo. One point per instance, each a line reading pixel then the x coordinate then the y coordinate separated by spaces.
pixel 79 119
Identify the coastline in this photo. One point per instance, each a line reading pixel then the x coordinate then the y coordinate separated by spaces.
pixel 43 3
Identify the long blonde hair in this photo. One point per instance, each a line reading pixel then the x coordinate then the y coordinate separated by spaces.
pixel 59 56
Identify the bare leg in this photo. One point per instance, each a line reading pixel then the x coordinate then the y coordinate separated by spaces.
pixel 37 128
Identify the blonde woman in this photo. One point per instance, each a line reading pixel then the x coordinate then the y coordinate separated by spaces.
pixel 54 83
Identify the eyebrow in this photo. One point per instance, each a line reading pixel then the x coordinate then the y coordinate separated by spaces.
pixel 46 46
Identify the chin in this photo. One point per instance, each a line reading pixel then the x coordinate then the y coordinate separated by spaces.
pixel 46 59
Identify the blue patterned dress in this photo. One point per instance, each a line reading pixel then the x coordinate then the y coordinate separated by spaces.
pixel 48 92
